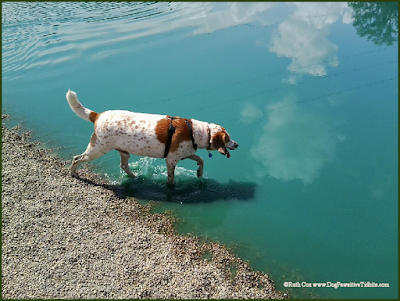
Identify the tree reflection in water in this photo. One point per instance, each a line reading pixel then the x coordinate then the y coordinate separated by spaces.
pixel 377 21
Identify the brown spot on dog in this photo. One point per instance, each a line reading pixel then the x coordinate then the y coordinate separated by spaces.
pixel 181 131
pixel 162 129
pixel 93 116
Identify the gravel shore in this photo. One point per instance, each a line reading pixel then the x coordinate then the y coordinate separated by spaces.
pixel 66 238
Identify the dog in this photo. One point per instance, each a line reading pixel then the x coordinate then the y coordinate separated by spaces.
pixel 150 135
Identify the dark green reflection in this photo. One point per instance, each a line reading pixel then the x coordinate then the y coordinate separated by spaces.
pixel 377 21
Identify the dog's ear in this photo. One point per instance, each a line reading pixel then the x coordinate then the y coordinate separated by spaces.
pixel 218 142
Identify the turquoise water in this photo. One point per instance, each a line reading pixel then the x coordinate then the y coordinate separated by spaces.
pixel 308 90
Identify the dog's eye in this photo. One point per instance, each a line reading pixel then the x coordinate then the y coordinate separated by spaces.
pixel 226 138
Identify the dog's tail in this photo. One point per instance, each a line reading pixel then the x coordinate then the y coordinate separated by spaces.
pixel 79 109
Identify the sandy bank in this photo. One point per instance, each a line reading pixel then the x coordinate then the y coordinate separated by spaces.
pixel 64 238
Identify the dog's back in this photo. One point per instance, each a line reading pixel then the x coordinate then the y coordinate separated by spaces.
pixel 131 132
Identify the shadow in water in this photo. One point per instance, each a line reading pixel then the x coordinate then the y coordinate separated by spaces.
pixel 190 190
pixel 150 184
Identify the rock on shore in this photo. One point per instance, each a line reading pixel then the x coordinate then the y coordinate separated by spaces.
pixel 65 238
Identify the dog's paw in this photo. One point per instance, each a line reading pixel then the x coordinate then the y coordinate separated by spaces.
pixel 171 185
pixel 74 175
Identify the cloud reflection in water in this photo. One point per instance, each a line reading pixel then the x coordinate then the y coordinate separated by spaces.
pixel 294 143
pixel 303 38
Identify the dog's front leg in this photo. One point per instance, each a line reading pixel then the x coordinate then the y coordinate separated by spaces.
pixel 200 163
pixel 171 164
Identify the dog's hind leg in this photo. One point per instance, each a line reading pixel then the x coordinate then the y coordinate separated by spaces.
pixel 85 157
pixel 200 163
pixel 93 151
pixel 124 163
pixel 75 162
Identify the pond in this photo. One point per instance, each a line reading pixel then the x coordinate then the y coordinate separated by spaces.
pixel 308 90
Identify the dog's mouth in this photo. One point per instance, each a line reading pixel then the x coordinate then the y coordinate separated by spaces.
pixel 224 152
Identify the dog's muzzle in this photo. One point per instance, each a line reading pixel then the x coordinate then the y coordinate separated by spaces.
pixel 232 145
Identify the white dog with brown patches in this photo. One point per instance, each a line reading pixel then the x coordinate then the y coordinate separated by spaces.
pixel 150 135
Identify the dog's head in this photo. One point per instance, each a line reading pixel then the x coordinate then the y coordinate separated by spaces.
pixel 220 140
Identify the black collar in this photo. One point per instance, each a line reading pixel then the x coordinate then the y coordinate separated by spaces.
pixel 209 138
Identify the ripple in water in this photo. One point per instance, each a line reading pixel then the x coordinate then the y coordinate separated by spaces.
pixel 32 34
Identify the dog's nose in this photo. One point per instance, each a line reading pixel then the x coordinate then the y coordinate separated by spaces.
pixel 233 145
